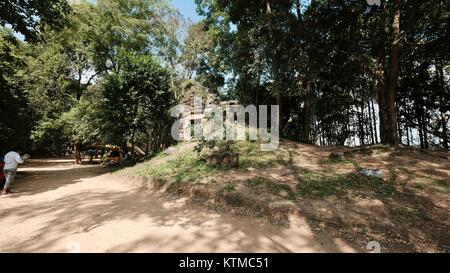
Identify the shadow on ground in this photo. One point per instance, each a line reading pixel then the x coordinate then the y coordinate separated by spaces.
pixel 54 207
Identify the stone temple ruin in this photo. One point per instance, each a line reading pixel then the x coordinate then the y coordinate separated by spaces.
pixel 197 102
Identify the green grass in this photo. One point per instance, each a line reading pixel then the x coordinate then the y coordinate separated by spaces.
pixel 182 168
pixel 273 187
pixel 186 167
pixel 442 186
pixel 442 183
pixel 410 212
pixel 229 187
pixel 251 156
pixel 319 185
pixel 281 190
pixel 420 186
pixel 257 181
pixel 336 161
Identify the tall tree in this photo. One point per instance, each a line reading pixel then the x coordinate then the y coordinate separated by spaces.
pixel 27 17
pixel 15 124
pixel 391 91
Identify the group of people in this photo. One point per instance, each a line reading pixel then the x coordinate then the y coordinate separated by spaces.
pixel 10 164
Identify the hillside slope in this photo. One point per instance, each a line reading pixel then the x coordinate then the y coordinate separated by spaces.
pixel 405 210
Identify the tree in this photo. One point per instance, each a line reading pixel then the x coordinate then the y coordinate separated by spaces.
pixel 136 100
pixel 15 125
pixel 329 64
pixel 110 26
pixel 28 17
pixel 66 62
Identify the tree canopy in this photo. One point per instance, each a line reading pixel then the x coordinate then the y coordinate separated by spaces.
pixel 27 17
pixel 339 70
pixel 343 72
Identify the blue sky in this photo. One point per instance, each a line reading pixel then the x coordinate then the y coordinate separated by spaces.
pixel 187 9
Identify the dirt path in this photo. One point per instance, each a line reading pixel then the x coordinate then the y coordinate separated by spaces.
pixel 60 207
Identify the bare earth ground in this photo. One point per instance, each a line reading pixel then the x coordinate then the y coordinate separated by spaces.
pixel 60 207
pixel 407 210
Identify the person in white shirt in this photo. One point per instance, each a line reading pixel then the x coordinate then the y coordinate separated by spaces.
pixel 12 160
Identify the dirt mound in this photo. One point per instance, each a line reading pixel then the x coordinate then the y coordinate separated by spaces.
pixel 407 209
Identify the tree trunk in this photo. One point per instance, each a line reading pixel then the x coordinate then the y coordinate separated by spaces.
pixel 444 131
pixel 361 127
pixel 79 91
pixel 399 127
pixel 268 7
pixel 422 145
pixel 444 118
pixel 411 136
pixel 78 154
pixel 381 82
pixel 371 123
pixel 391 126
pixel 344 131
pixel 383 115
pixel 147 142
pixel 298 6
pixel 408 142
pixel 275 66
pixel 374 122
pixel 367 124
pixel 306 138
pixel 425 132
pixel 133 145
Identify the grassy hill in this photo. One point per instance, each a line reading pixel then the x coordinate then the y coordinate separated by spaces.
pixel 405 210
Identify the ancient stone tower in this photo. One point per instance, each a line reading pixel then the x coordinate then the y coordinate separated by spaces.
pixel 197 101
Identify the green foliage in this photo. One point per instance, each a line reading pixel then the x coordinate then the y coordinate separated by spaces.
pixel 49 82
pixel 95 80
pixel 110 27
pixel 27 17
pixel 84 122
pixel 207 148
pixel 199 57
pixel 135 98
pixel 229 187
pixel 15 115
pixel 326 62
pixel 49 137
pixel 108 70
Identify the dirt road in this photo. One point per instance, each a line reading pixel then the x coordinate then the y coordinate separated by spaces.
pixel 60 207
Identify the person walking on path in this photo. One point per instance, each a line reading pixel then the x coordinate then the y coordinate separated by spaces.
pixel 11 160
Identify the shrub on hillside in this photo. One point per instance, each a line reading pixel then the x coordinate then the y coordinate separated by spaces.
pixel 218 152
